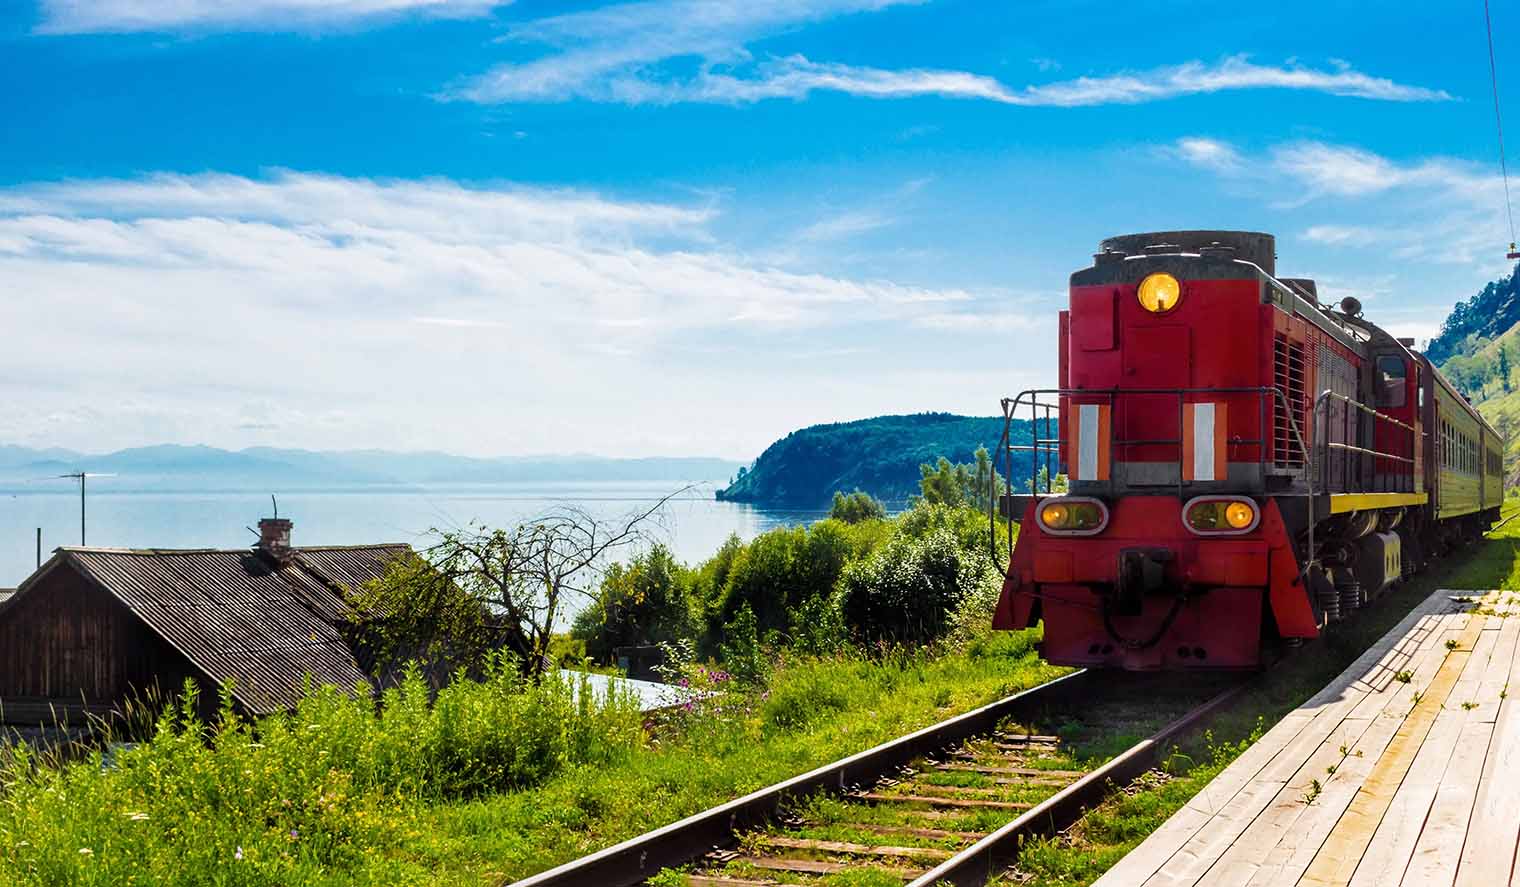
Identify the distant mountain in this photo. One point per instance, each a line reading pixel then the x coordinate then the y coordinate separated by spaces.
pixel 880 456
pixel 174 467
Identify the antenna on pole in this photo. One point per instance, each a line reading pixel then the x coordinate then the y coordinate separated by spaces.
pixel 80 476
pixel 276 504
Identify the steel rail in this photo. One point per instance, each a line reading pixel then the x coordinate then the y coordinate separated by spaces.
pixel 980 862
pixel 636 859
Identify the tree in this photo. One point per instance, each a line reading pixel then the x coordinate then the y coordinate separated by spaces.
pixel 1504 365
pixel 415 613
pixel 973 483
pixel 644 602
pixel 522 578
pixel 856 507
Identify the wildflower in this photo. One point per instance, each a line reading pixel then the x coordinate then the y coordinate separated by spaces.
pixel 137 817
pixel 85 851
pixel 238 854
pixel 685 683
pixel 293 835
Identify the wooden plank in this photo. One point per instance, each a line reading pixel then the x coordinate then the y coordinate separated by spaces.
pixel 824 867
pixel 720 881
pixel 1266 846
pixel 1298 849
pixel 1491 690
pixel 879 798
pixel 786 842
pixel 1387 856
pixel 1347 784
pixel 962 791
pixel 1437 854
pixel 1338 857
pixel 1034 772
pixel 913 831
pixel 1218 801
pixel 1493 835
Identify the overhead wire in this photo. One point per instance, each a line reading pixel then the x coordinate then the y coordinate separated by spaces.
pixel 1493 79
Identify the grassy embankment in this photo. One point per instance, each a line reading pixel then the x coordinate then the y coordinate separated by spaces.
pixel 1119 825
pixel 492 783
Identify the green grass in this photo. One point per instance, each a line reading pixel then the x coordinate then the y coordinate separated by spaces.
pixel 1117 826
pixel 494 782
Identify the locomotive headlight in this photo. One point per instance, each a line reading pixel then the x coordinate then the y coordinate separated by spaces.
pixel 1239 515
pixel 1220 515
pixel 1159 293
pixel 1073 516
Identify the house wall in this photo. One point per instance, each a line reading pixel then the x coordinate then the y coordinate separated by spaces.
pixel 68 641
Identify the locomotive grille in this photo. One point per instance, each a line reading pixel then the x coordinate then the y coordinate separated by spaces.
pixel 1290 376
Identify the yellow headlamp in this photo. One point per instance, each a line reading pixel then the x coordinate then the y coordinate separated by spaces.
pixel 1159 293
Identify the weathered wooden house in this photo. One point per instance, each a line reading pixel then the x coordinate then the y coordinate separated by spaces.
pixel 94 627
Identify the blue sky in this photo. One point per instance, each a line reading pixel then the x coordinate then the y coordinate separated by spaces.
pixel 677 227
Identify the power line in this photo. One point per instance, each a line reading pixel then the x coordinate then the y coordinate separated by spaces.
pixel 1493 79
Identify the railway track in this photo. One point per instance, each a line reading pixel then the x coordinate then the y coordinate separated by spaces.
pixel 948 804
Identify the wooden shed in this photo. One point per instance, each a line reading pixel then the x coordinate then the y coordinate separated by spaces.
pixel 95 626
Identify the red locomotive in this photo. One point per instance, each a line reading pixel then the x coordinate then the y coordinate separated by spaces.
pixel 1245 464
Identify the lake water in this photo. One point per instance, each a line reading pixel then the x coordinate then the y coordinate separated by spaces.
pixel 693 525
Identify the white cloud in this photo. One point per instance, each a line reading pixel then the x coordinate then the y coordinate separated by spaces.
pixel 1208 153
pixel 1234 73
pixel 593 53
pixel 401 313
pixel 613 55
pixel 1436 210
pixel 118 16
pixel 845 225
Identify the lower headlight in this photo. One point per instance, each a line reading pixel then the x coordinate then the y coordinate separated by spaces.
pixel 1220 515
pixel 1072 516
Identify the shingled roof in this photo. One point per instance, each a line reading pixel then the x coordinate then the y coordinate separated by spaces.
pixel 240 616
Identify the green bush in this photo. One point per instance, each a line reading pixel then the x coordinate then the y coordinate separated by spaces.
pixel 644 602
pixel 908 591
pixel 856 507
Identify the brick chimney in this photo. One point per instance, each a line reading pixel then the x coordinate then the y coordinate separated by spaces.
pixel 274 538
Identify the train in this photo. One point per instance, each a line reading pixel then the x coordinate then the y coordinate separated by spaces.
pixel 1244 465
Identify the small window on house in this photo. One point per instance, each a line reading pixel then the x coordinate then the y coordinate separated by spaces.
pixel 1390 374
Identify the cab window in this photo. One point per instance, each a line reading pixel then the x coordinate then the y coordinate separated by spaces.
pixel 1390 377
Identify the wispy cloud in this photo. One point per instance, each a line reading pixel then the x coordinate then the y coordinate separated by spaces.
pixel 121 16
pixel 618 54
pixel 844 225
pixel 1437 209
pixel 494 309
pixel 599 53
pixel 1207 153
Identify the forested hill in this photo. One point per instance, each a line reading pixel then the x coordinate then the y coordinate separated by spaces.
pixel 1487 315
pixel 1479 352
pixel 880 456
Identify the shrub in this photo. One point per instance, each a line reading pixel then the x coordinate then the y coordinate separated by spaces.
pixel 644 602
pixel 856 507
pixel 907 591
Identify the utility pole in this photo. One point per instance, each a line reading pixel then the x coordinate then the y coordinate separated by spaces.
pixel 80 476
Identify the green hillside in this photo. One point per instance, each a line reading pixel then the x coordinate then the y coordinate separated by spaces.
pixel 880 456
pixel 1479 352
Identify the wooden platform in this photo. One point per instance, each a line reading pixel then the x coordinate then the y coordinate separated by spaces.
pixel 1403 770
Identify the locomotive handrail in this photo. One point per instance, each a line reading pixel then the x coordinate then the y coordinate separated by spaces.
pixel 1321 466
pixel 1049 446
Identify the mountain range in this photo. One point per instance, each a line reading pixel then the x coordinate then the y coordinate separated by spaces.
pixel 204 468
